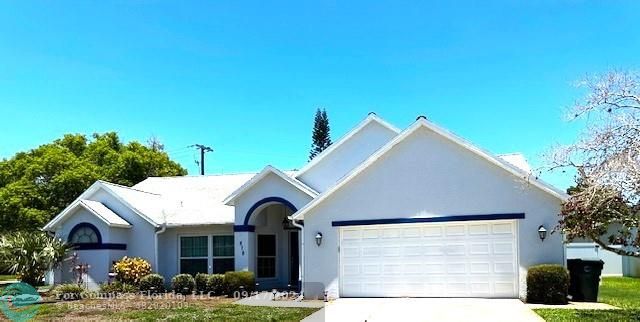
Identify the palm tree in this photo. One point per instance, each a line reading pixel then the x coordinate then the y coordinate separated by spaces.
pixel 31 254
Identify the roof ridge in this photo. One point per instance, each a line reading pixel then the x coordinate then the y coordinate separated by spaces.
pixel 371 117
pixel 130 188
pixel 510 153
pixel 206 175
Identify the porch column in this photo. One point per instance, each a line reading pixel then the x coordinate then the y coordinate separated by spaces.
pixel 245 242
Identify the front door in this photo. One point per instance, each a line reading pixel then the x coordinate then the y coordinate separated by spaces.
pixel 294 259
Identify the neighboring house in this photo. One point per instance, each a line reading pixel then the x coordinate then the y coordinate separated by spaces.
pixel 614 264
pixel 418 212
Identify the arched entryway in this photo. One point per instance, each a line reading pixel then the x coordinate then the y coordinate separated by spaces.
pixel 276 259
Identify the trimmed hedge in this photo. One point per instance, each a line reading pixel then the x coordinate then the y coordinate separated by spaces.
pixel 183 283
pixel 547 284
pixel 152 283
pixel 216 284
pixel 235 280
pixel 201 282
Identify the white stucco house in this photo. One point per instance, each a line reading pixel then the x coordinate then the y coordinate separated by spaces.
pixel 382 212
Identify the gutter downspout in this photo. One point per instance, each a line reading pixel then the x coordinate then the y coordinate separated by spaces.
pixel 293 221
pixel 163 228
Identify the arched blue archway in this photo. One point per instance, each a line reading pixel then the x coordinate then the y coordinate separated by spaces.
pixel 246 227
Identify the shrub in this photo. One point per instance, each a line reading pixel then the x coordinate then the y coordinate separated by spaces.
pixel 118 287
pixel 130 270
pixel 183 283
pixel 235 280
pixel 547 284
pixel 31 254
pixel 68 292
pixel 153 283
pixel 201 282
pixel 216 284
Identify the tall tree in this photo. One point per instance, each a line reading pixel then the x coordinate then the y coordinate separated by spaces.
pixel 321 136
pixel 605 204
pixel 38 184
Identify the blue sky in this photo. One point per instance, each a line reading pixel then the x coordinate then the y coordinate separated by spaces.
pixel 246 78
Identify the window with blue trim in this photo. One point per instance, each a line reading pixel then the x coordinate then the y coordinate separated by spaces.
pixel 84 235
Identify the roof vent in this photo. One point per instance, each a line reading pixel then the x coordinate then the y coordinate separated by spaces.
pixel 421 117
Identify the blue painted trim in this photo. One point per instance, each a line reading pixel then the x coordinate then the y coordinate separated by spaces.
pixel 240 228
pixel 93 246
pixel 98 245
pixel 264 201
pixel 426 220
pixel 85 225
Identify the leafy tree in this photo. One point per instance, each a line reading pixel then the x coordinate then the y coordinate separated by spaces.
pixel 36 185
pixel 321 133
pixel 605 204
pixel 31 254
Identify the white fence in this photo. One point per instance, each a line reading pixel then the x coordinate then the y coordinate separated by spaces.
pixel 614 264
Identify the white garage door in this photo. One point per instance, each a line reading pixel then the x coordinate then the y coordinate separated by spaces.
pixel 457 259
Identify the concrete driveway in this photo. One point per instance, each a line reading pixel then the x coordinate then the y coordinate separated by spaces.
pixel 425 309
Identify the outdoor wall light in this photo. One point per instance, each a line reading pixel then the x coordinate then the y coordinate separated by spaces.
pixel 318 238
pixel 542 232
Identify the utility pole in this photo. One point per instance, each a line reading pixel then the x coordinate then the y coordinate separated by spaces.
pixel 203 149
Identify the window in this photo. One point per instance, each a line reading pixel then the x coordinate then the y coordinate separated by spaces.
pixel 194 255
pixel 222 254
pixel 84 233
pixel 266 256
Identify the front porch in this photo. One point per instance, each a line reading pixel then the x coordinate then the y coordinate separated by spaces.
pixel 266 243
pixel 271 247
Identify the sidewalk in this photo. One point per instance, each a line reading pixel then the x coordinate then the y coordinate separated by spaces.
pixel 266 299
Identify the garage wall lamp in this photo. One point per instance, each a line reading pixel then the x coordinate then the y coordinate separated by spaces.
pixel 318 239
pixel 542 232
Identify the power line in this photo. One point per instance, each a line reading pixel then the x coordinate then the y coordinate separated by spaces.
pixel 203 149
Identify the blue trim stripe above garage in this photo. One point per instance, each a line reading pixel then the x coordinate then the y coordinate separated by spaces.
pixel 426 220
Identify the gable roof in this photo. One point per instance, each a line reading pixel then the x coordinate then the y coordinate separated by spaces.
pixel 195 200
pixel 170 201
pixel 517 160
pixel 148 205
pixel 94 207
pixel 372 117
pixel 125 195
pixel 422 122
pixel 230 200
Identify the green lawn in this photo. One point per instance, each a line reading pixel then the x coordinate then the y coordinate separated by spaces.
pixel 7 278
pixel 224 312
pixel 623 292
pixel 146 310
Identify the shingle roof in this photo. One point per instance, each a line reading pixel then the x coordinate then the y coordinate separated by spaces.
pixel 187 200
pixel 147 203
pixel 287 176
pixel 99 209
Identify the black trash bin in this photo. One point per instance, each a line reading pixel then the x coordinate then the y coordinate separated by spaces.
pixel 584 279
